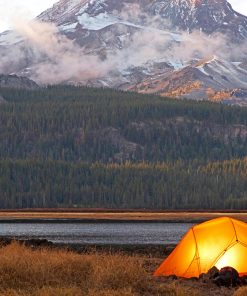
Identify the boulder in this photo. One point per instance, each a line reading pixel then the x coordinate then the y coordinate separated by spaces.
pixel 227 276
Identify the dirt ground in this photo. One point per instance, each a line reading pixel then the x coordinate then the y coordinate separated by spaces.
pixel 202 289
pixel 194 287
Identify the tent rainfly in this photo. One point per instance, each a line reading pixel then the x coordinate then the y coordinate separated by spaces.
pixel 219 242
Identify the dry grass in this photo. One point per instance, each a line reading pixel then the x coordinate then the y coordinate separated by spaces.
pixel 50 272
pixel 47 291
pixel 135 216
pixel 241 292
pixel 43 272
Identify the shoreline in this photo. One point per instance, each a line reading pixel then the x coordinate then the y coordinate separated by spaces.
pixel 150 250
pixel 114 216
pixel 96 221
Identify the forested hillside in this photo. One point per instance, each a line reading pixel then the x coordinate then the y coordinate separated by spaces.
pixel 71 146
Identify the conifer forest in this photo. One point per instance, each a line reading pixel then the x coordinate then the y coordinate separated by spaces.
pixel 80 147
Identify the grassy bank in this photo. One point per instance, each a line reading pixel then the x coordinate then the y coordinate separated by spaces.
pixel 24 271
pixel 42 272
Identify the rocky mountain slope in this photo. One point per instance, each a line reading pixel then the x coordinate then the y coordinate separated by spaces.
pixel 173 47
pixel 210 78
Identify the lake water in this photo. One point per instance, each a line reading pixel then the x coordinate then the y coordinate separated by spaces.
pixel 98 233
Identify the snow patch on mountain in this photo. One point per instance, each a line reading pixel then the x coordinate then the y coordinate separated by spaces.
pixel 103 20
pixel 98 22
pixel 176 64
pixel 68 27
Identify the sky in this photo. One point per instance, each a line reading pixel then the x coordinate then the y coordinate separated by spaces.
pixel 28 9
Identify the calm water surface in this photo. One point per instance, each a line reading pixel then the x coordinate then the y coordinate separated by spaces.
pixel 98 233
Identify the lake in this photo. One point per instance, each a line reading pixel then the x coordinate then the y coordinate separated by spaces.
pixel 98 233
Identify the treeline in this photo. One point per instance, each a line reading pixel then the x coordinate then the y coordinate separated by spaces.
pixel 31 183
pixel 83 124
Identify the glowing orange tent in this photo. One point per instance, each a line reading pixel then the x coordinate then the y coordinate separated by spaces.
pixel 219 242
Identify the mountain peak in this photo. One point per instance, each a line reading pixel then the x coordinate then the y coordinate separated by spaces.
pixel 209 16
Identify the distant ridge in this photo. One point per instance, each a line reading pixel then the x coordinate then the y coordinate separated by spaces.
pixel 14 81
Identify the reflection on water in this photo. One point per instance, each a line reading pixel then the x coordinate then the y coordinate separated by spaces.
pixel 98 233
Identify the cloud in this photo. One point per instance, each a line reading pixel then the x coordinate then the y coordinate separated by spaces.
pixel 58 58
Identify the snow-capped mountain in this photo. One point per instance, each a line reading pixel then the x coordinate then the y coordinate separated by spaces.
pixel 172 47
pixel 209 16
